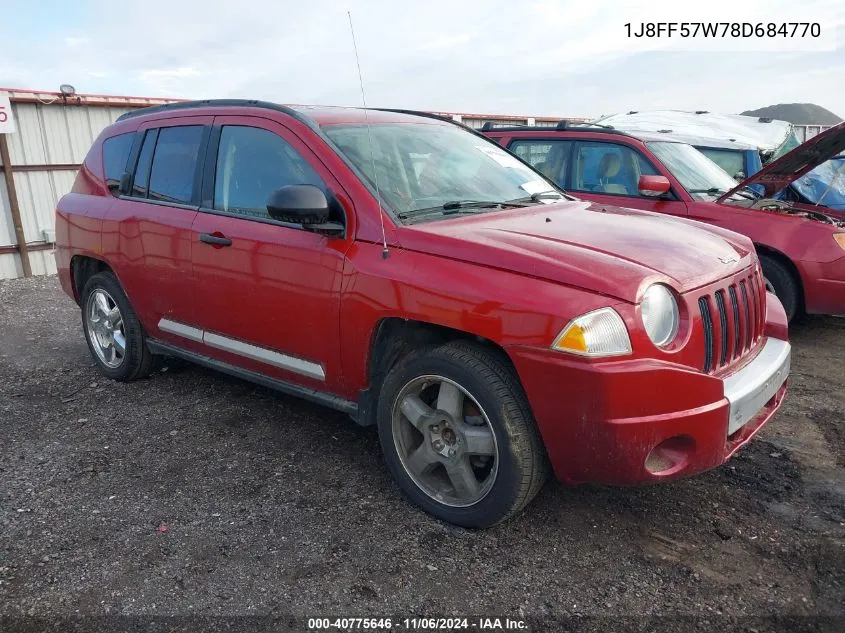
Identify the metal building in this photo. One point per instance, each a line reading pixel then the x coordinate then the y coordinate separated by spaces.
pixel 53 134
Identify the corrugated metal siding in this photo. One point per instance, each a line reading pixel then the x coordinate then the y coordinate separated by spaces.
pixel 57 134
pixel 46 135
pixel 805 132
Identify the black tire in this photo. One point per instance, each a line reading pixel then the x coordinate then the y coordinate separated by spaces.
pixel 137 361
pixel 785 286
pixel 491 381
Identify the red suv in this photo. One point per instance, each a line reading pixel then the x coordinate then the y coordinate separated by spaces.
pixel 415 275
pixel 801 247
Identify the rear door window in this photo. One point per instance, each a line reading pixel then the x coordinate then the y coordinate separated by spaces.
pixel 115 157
pixel 174 167
pixel 550 158
pixel 142 171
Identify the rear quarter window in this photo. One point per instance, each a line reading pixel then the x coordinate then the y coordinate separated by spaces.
pixel 115 157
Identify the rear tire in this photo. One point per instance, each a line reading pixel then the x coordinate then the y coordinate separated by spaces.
pixel 112 330
pixel 482 464
pixel 780 279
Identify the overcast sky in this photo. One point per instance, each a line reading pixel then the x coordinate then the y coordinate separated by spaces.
pixel 485 56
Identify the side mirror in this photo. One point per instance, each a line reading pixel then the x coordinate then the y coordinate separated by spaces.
pixel 123 187
pixel 653 186
pixel 306 205
pixel 299 204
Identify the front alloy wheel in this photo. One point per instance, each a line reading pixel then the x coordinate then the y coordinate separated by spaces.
pixel 458 435
pixel 445 441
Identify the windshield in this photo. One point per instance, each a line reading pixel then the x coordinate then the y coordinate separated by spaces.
pixel 425 169
pixel 824 185
pixel 731 160
pixel 792 141
pixel 701 177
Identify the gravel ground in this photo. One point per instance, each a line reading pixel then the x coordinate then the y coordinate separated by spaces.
pixel 194 493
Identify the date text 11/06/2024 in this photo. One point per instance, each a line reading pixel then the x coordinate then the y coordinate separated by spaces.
pixel 723 29
pixel 417 624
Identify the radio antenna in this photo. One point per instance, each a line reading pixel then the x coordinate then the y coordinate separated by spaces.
pixel 384 252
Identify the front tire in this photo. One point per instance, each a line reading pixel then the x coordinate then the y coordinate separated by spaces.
pixel 779 280
pixel 112 330
pixel 458 435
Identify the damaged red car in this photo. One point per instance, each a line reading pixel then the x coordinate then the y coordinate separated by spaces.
pixel 416 276
pixel 801 246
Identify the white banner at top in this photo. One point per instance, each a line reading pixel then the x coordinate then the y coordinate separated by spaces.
pixel 7 121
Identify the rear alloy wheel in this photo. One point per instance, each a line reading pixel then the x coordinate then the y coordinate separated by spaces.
pixel 781 283
pixel 458 435
pixel 112 330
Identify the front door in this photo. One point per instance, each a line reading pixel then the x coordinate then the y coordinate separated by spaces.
pixel 609 173
pixel 267 293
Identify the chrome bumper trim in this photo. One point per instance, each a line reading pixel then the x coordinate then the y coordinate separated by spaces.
pixel 749 389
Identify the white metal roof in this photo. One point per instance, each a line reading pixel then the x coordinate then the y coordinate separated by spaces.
pixel 705 128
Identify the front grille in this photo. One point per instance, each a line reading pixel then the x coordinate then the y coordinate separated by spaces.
pixel 733 319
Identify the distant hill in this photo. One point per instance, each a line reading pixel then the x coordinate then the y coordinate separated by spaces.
pixel 798 113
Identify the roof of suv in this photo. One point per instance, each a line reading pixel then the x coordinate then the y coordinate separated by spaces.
pixel 564 127
pixel 310 115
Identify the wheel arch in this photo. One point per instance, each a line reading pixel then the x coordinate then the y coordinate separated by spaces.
pixel 82 268
pixel 393 338
pixel 790 266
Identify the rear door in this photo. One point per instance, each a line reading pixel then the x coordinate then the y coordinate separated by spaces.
pixel 267 293
pixel 148 232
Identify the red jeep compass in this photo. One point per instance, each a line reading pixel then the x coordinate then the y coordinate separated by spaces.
pixel 801 248
pixel 415 275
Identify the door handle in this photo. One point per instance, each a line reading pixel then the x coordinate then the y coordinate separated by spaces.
pixel 215 240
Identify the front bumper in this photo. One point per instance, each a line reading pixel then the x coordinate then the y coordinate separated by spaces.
pixel 641 421
pixel 824 286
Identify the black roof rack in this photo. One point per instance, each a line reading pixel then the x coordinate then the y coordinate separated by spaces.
pixel 428 115
pixel 187 105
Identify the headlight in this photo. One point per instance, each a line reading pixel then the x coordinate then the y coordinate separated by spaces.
pixel 598 333
pixel 660 314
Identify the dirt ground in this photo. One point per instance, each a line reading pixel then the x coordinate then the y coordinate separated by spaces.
pixel 191 493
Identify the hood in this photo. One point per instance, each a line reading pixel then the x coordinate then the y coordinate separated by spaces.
pixel 822 189
pixel 596 247
pixel 778 174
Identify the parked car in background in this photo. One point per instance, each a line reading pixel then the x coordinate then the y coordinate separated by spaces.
pixel 413 274
pixel 739 144
pixel 802 249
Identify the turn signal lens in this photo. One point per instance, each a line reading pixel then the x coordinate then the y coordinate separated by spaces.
pixel 598 333
pixel 840 239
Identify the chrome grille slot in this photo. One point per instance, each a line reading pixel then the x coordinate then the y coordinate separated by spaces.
pixel 707 323
pixel 749 324
pixel 738 342
pixel 723 325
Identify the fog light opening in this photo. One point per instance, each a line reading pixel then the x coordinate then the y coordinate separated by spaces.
pixel 670 455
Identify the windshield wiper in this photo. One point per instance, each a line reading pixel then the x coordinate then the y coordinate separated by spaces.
pixel 538 197
pixel 712 190
pixel 459 206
